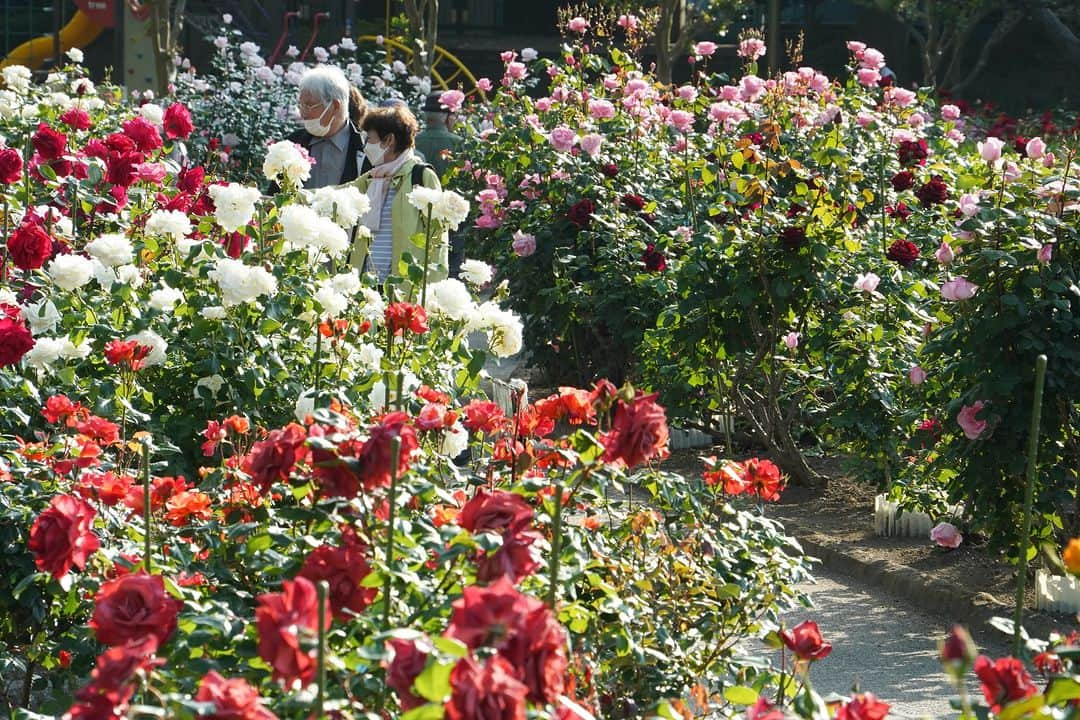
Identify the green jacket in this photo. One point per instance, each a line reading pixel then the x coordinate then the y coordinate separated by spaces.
pixel 406 221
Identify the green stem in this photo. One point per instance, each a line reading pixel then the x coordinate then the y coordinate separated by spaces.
pixel 388 587
pixel 318 359
pixel 322 587
pixel 146 505
pixel 427 256
pixel 556 547
pixel 1029 497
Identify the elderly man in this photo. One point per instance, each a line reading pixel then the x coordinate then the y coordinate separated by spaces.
pixel 331 113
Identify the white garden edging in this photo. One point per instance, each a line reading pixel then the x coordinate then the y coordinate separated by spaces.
pixel 889 521
pixel 1057 593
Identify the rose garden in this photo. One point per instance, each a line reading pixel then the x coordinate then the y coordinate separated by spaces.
pixel 239 478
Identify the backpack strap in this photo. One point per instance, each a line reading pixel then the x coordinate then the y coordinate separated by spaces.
pixel 417 177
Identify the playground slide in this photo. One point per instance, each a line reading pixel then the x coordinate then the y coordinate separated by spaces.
pixel 78 33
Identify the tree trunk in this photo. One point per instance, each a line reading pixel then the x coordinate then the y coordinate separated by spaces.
pixel 1058 34
pixel 423 18
pixel 1005 25
pixel 662 41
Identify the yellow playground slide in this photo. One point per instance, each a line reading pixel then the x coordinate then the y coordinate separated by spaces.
pixel 78 33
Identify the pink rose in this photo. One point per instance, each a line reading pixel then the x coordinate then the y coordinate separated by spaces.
pixel 1049 159
pixel 562 138
pixel 452 99
pixel 628 22
pixel 1035 148
pixel 591 144
pixel 958 289
pixel 868 77
pixel 865 119
pixel 687 93
pixel 955 135
pixel 704 48
pixel 601 110
pixel 791 340
pixel 484 84
pixel 752 48
pixel 681 120
pixel 1012 172
pixel 751 87
pixel 543 104
pixel 972 426
pixel 150 172
pixel 969 204
pixel 916 120
pixel 867 283
pixel 872 59
pixel 950 112
pixel 901 96
pixel 1045 253
pixel 946 535
pixel 516 70
pixel 524 243
pixel 578 24
pixel 945 254
pixel 508 56
pixel 917 375
pixel 856 48
pixel 990 149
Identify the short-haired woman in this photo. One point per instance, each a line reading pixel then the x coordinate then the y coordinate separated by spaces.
pixel 392 219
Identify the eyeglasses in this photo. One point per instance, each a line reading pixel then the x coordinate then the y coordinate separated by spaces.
pixel 304 107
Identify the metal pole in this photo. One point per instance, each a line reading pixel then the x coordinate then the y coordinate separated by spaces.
pixel 1029 497
pixel 118 43
pixel 773 38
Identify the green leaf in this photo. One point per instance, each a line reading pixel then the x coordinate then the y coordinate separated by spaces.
pixel 740 695
pixel 1062 690
pixel 1021 708
pixel 434 682
pixel 431 711
pixel 259 542
pixel 452 647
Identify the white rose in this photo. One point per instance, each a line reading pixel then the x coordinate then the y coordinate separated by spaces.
pixel 152 113
pixel 17 77
pixel 9 298
pixel 455 440
pixel 285 160
pixel 451 298
pixel 212 383
pixel 451 209
pixel 529 54
pixel 333 303
pixel 156 343
pixel 75 55
pixel 169 223
pixel 165 298
pixel 374 306
pixel 378 397
pixel 345 205
pixel 369 356
pixel 476 272
pixel 42 315
pixel 240 283
pixel 305 405
pixel 503 327
pixel 70 271
pixel 331 237
pixel 111 249
pixel 71 351
pixel 422 198
pixel 299 223
pixel 129 275
pixel 213 312
pixel 347 283
pixel 235 205
pixel 45 352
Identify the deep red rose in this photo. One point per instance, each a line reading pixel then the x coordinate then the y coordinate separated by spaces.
pixel 633 202
pixel 639 432
pixel 795 210
pixel 958 647
pixel 112 681
pixel 410 658
pixel 653 259
pixel 1020 145
pixel 903 252
pixel 763 478
pixel 515 559
pixel 793 237
pixel 282 618
pixel 235 243
pixel 490 616
pixel 485 692
pixel 900 211
pixel 496 511
pixel 912 152
pixel 401 316
pixel 119 143
pixel 143 133
pixel 132 606
pixel 806 642
pixel 863 706
pixel 538 655
pixel 49 143
pixel 11 166
pixel 334 468
pixel 903 180
pixel 190 179
pixel 15 338
pixel 177 122
pixel 375 457
pixel 483 416
pixel 343 568
pixel 29 246
pixel 1003 681
pixel 581 212
pixel 120 168
pixel 272 460
pixel 934 191
pixel 234 699
pixel 77 119
pixel 610 169
pixel 63 536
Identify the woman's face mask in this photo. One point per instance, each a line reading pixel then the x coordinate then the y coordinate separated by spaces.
pixel 375 152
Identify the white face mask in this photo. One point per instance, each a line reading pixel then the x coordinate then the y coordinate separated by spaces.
pixel 315 126
pixel 375 152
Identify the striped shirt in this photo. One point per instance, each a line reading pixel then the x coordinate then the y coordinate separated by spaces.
pixel 381 252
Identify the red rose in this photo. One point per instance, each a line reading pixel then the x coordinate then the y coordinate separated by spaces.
pixel 401 316
pixel 496 511
pixel 863 707
pixel 120 168
pixel 408 662
pixel 343 568
pixel 29 246
pixel 653 259
pixel 126 352
pixel 142 133
pixel 99 430
pixel 806 642
pixel 375 457
pixel 934 191
pixel 538 655
pixel 49 143
pixel 132 606
pixel 15 337
pixel 235 243
pixel 912 152
pixel 763 478
pixel 632 201
pixel 111 683
pixel 515 559
pixel 793 237
pixel 272 460
pixel 764 709
pixel 903 252
pixel 190 179
pixel 958 647
pixel 483 416
pixel 177 122
pixel 639 432
pixel 77 119
pixel 489 616
pixel 11 166
pixel 581 212
pixel 118 143
pixel 281 619
pixel 61 536
pixel 233 699
pixel 60 408
pixel 108 487
pixel 900 211
pixel 487 692
pixel 1003 681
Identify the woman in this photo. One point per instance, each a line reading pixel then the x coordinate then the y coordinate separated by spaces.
pixel 392 219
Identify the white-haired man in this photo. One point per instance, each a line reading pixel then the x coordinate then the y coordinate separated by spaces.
pixel 331 111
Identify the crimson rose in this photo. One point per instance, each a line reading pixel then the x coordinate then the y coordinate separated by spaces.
pixel 280 618
pixel 487 692
pixel 496 511
pixel 132 606
pixel 177 122
pixel 342 568
pixel 61 536
pixel 1003 681
pixel 15 337
pixel 806 642
pixel 234 699
pixel 11 166
pixel 934 191
pixel 30 246
pixel 143 133
pixel 863 706
pixel 273 459
pixel 409 661
pixel 49 143
pixel 903 180
pixel 903 252
pixel 375 456
pixel 639 432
